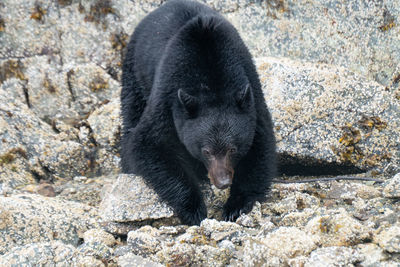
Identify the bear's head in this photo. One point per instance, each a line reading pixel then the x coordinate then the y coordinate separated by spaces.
pixel 216 131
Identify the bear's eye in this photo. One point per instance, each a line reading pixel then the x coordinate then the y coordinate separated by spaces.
pixel 206 152
pixel 232 150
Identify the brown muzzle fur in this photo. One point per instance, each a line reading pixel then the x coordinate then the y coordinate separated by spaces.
pixel 220 172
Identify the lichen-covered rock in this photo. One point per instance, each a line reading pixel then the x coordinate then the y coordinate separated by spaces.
pixel 333 256
pixel 389 239
pixel 144 241
pixel 372 255
pixel 294 202
pixel 253 218
pixel 337 228
pixel 31 149
pixel 297 218
pixel 60 66
pixel 54 253
pixel 130 199
pixel 99 236
pixel 359 35
pixel 132 260
pixel 46 253
pixel 105 123
pixel 95 249
pixel 24 22
pixel 215 231
pixel 278 247
pixel 392 187
pixel 350 120
pixel 29 218
pixel 187 254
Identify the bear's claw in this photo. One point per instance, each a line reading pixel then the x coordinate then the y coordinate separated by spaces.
pixel 235 207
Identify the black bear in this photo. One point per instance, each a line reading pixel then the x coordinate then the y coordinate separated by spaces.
pixel 192 107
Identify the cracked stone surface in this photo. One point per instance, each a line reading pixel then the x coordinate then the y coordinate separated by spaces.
pixel 331 77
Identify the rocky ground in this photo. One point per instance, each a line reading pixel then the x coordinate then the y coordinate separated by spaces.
pixel 331 77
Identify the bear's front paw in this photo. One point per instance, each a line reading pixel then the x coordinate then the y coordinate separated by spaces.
pixel 193 217
pixel 236 206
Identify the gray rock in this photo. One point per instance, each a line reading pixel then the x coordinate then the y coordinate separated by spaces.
pixel 214 230
pixel 132 260
pixel 372 255
pixel 46 253
pixel 389 238
pixel 99 236
pixel 278 247
pixel 54 253
pixel 144 241
pixel 392 187
pixel 294 202
pixel 297 218
pixel 337 228
pixel 24 22
pixel 359 35
pixel 328 114
pixel 189 254
pixel 32 149
pixel 105 123
pixel 29 218
pixel 95 249
pixel 130 199
pixel 333 257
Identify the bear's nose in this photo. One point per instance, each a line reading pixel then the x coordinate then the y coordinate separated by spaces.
pixel 222 183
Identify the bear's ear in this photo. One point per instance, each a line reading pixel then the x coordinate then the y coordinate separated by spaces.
pixel 244 97
pixel 190 103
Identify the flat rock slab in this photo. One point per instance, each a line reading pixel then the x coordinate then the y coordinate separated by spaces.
pixel 329 114
pixel 29 218
pixel 53 253
pixel 130 200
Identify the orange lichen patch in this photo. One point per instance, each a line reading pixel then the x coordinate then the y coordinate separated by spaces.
pixel 374 160
pixel 324 225
pixel 11 155
pixel 11 68
pixel 372 122
pixel 2 24
pixel 38 12
pixel 48 85
pixel 97 84
pixel 119 40
pixel 351 136
pixel 99 10
pixel 387 26
pixel 349 151
pixel 81 8
pixel 64 2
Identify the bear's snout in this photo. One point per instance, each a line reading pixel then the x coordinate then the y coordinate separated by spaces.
pixel 220 172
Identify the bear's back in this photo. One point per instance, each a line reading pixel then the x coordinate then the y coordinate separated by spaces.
pixel 155 30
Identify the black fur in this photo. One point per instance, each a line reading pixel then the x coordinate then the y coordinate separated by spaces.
pixel 190 87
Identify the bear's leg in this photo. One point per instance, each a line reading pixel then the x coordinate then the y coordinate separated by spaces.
pixel 133 97
pixel 165 176
pixel 252 178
